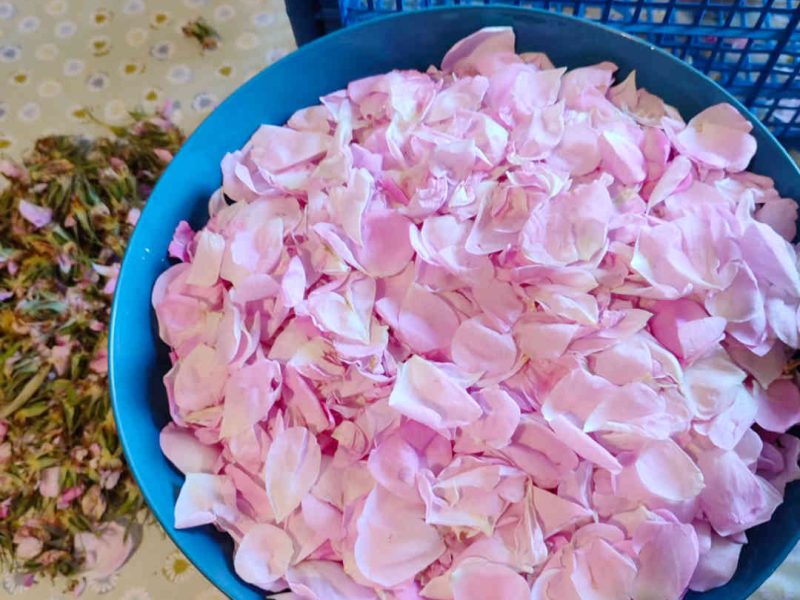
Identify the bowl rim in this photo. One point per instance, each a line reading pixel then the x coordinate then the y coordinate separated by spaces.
pixel 125 433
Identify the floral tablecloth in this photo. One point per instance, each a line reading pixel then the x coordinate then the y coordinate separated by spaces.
pixel 59 58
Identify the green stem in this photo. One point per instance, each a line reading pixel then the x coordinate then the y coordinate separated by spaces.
pixel 27 392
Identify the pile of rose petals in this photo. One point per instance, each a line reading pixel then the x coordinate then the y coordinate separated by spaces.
pixel 499 330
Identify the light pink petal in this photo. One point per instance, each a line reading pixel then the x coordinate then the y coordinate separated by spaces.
pixel 104 550
pixel 779 408
pixel 624 95
pixel 349 202
pixel 251 492
pixel 602 572
pixel 585 87
pixel 674 176
pixel 263 555
pixel 500 303
pixel 27 547
pixel 293 284
pixel 557 514
pixel 315 360
pixel 250 392
pixel 770 257
pixel 501 216
pixel 684 328
pixel 465 93
pixel 765 369
pixel 253 249
pixel 49 486
pixel 712 383
pixel 781 215
pixel 578 153
pixel 200 378
pixel 633 408
pixel 425 393
pixel 426 321
pixel 339 315
pixel 394 464
pixel 469 494
pixel 626 361
pixel 303 407
pixel 394 543
pixel 668 472
pixel 277 148
pixel 538 135
pixel 583 444
pixel 38 216
pixel 315 523
pixel 325 580
pixel 569 228
pixel 734 499
pixel 207 259
pixel 668 555
pixel 313 118
pixel 477 579
pixel 717 563
pixel 497 424
pixel 622 158
pixel 386 248
pixel 718 137
pixel 186 452
pixel 478 348
pixel 182 237
pixel 476 53
pixel 202 499
pixel 292 468
pixel 788 446
pixel 516 89
pixel 727 428
pixel 577 394
pixel 741 303
pixel 656 149
pixel 782 320
pixel 544 341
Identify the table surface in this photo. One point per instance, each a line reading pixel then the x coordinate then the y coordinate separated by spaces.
pixel 60 56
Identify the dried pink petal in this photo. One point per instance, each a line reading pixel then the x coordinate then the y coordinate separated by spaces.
pixel 38 216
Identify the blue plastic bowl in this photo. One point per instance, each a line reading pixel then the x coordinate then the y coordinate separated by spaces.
pixel 411 40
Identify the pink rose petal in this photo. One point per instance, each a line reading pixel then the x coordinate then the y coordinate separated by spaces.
pixel 38 216
pixel 186 452
pixel 424 392
pixel 292 468
pixel 394 542
pixel 478 579
pixel 203 498
pixel 263 555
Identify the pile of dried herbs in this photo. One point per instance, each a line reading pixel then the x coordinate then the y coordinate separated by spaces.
pixel 65 215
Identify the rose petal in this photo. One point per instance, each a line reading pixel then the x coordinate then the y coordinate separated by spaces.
pixel 263 555
pixel 425 393
pixel 292 468
pixel 394 542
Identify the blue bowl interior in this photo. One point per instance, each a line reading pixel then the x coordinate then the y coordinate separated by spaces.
pixel 413 40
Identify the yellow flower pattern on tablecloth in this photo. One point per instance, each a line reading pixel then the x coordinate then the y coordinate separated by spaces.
pixel 60 58
pixel 176 568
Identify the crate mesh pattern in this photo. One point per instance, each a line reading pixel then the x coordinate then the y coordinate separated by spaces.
pixel 751 47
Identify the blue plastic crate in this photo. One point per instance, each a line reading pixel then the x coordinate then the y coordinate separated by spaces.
pixel 752 47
